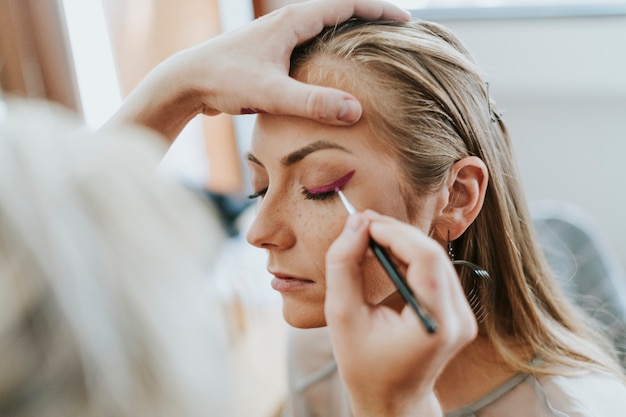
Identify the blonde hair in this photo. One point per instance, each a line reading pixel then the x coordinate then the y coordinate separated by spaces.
pixel 426 99
pixel 105 306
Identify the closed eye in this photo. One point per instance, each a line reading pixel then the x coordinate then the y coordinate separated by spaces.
pixel 257 194
pixel 317 196
pixel 327 191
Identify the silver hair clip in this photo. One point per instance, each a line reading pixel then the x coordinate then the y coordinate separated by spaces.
pixel 492 114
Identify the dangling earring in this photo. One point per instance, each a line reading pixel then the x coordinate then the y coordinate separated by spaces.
pixel 480 287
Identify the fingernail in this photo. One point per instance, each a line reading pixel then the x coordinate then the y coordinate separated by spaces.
pixel 350 111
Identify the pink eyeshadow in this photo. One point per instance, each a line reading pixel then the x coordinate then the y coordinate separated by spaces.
pixel 336 185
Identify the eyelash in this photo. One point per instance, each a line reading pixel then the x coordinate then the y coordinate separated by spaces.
pixel 319 196
pixel 257 194
pixel 307 195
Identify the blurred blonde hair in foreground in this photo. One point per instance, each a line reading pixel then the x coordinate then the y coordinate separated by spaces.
pixel 105 305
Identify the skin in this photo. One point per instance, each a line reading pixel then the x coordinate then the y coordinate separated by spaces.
pixel 296 231
pixel 299 236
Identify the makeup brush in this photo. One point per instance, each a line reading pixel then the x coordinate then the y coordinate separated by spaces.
pixel 400 283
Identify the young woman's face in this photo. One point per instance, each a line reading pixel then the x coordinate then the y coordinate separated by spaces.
pixel 295 165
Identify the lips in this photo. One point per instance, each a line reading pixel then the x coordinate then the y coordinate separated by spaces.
pixel 285 283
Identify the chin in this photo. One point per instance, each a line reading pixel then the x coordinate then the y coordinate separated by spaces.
pixel 304 317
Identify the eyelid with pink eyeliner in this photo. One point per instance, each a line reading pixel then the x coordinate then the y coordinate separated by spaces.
pixel 332 186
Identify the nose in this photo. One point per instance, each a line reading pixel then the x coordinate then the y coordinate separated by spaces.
pixel 271 228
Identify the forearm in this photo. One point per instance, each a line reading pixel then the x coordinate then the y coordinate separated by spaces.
pixel 165 101
pixel 247 70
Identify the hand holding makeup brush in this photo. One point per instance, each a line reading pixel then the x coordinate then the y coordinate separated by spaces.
pixel 247 71
pixel 388 361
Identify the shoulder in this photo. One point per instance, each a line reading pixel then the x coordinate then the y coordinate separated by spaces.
pixel 588 394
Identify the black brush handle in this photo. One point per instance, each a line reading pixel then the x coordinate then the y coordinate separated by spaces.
pixel 401 284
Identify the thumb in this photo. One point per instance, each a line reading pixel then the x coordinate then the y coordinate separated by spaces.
pixel 322 104
pixel 344 287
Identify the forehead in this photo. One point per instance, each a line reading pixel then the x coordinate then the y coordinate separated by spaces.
pixel 267 126
pixel 279 135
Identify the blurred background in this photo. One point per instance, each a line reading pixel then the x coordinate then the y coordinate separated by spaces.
pixel 556 68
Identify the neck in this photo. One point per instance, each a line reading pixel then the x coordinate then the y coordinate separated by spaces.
pixel 475 372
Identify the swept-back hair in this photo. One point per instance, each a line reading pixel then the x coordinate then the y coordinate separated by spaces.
pixel 430 107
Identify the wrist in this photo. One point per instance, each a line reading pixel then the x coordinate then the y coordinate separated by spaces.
pixel 165 101
pixel 174 99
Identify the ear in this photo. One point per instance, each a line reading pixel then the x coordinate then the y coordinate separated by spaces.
pixel 463 197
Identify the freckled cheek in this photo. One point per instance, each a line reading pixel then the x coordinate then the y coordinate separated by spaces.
pixel 324 232
pixel 318 232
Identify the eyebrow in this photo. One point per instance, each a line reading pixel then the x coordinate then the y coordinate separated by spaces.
pixel 301 153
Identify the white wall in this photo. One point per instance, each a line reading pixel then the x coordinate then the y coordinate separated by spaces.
pixel 561 84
